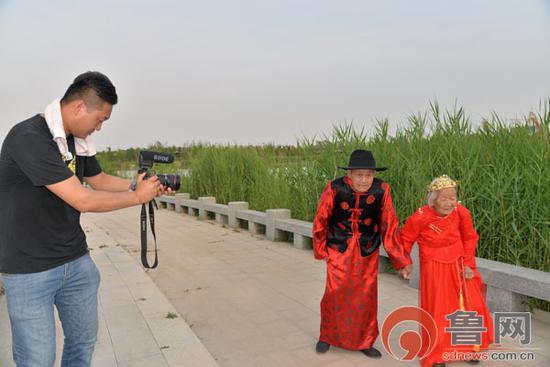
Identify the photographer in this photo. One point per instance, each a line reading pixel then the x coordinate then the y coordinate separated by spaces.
pixel 43 252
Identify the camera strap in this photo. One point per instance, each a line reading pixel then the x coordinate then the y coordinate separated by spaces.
pixel 144 233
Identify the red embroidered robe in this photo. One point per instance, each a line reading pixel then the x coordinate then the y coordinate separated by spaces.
pixel 350 303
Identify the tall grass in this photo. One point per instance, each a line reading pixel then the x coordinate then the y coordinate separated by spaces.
pixel 238 173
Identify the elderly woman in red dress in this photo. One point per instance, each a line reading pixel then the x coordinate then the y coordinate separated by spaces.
pixel 449 280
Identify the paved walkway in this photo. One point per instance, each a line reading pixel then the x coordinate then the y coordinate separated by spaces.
pixel 134 330
pixel 250 302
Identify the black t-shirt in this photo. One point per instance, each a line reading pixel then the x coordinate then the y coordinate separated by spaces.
pixel 38 230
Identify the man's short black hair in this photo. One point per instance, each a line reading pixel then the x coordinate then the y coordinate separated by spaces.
pixel 94 88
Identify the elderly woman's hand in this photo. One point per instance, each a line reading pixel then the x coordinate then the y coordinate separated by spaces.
pixel 468 272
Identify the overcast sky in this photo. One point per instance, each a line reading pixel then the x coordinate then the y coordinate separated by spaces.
pixel 270 71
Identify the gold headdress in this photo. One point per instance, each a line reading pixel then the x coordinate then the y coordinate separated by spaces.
pixel 441 182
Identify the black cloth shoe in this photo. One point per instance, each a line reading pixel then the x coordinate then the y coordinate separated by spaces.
pixel 438 365
pixel 322 347
pixel 473 361
pixel 372 352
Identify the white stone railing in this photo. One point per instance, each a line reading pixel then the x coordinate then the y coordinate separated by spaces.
pixel 508 286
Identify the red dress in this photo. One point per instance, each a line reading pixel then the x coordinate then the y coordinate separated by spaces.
pixel 350 303
pixel 446 245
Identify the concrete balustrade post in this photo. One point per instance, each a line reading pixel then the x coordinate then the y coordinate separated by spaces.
pixel 503 300
pixel 179 201
pixel 271 232
pixel 302 242
pixel 202 201
pixel 234 208
pixel 221 219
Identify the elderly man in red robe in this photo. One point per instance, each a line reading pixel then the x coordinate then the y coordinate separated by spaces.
pixel 355 215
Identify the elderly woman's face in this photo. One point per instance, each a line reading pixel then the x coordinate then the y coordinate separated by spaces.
pixel 445 201
pixel 361 179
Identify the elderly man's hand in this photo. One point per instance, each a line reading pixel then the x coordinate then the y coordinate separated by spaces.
pixel 406 271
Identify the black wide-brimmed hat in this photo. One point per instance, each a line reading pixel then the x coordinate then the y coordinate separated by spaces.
pixel 362 159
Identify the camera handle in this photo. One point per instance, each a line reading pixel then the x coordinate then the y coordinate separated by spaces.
pixel 152 206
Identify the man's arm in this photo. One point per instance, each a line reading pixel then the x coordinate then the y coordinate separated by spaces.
pixel 105 182
pixel 324 212
pixel 85 200
pixel 389 227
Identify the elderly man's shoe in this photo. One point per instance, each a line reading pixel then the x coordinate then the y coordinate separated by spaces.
pixel 473 361
pixel 372 352
pixel 322 347
pixel 438 365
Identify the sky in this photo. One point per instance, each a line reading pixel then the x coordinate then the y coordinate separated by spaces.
pixel 253 71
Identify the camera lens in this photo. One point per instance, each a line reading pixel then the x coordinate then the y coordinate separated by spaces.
pixel 170 181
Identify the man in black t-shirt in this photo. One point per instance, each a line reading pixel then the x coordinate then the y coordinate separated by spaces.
pixel 43 252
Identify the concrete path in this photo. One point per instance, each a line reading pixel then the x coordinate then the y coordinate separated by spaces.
pixel 250 302
pixel 134 329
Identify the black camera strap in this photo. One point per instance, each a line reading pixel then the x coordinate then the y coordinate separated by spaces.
pixel 144 233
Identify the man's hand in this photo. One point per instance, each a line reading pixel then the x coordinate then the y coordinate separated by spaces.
pixel 406 271
pixel 165 191
pixel 468 272
pixel 147 190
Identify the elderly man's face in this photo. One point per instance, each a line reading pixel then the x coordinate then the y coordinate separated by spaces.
pixel 361 179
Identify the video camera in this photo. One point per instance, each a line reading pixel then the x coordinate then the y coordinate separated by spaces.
pixel 145 162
